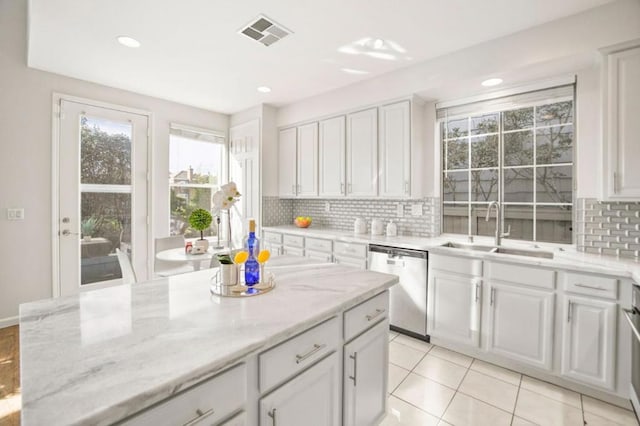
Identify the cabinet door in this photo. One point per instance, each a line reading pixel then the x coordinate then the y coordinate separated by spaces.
pixel 394 148
pixel 622 124
pixel 308 160
pixel 521 324
pixel 588 341
pixel 366 360
pixel 310 399
pixel 287 163
pixel 362 153
pixel 454 307
pixel 331 156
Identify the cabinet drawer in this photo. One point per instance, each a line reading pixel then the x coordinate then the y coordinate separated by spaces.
pixel 365 315
pixel 592 285
pixel 318 244
pixel 459 265
pixel 526 275
pixel 272 237
pixel 350 249
pixel 350 261
pixel 291 357
pixel 293 240
pixel 211 401
pixel 293 251
pixel 318 255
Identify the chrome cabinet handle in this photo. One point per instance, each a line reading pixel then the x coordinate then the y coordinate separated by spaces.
pixel 272 414
pixel 589 286
pixel 615 182
pixel 316 348
pixel 406 187
pixel 376 314
pixel 569 312
pixel 354 357
pixel 477 292
pixel 341 188
pixel 493 292
pixel 200 416
pixel 627 314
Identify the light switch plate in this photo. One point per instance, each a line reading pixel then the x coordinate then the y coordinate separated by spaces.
pixel 15 214
pixel 327 207
pixel 416 210
pixel 399 210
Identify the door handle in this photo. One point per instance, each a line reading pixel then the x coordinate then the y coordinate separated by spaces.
pixel 477 292
pixel 354 357
pixel 272 414
pixel 627 314
pixel 491 299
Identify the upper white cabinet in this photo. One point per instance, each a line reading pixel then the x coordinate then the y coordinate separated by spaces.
pixel 331 154
pixel 394 150
pixel 308 160
pixel 362 153
pixel 621 125
pixel 287 161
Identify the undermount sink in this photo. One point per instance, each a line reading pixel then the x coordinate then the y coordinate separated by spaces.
pixel 500 250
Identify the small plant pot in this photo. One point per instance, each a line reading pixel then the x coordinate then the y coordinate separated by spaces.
pixel 202 243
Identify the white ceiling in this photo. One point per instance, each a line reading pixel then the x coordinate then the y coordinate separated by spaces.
pixel 191 52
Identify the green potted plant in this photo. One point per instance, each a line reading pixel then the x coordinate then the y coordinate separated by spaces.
pixel 200 219
pixel 88 227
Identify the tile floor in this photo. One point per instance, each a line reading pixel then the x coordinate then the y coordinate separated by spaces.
pixel 430 385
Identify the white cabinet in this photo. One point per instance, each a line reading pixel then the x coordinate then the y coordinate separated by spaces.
pixel 362 153
pixel 237 420
pixel 454 307
pixel 287 161
pixel 394 150
pixel 365 377
pixel 520 323
pixel 318 255
pixel 621 125
pixel 310 399
pixel 331 156
pixel 307 160
pixel 588 341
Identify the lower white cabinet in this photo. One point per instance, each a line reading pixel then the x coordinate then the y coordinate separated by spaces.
pixel 292 251
pixel 365 377
pixel 318 255
pixel 310 399
pixel 520 323
pixel 588 344
pixel 454 307
pixel 274 249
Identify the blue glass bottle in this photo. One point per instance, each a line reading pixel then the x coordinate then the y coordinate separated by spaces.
pixel 252 246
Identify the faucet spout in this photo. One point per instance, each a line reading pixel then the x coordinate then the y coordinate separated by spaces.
pixel 497 206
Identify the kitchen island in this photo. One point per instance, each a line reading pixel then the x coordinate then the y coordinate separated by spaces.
pixel 132 352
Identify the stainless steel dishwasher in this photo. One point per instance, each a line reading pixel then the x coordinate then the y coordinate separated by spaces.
pixel 408 298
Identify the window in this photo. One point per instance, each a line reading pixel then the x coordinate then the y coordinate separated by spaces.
pixel 196 171
pixel 518 152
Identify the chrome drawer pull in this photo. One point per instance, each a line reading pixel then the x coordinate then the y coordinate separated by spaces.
pixel 354 357
pixel 272 414
pixel 627 314
pixel 372 316
pixel 589 286
pixel 316 348
pixel 200 416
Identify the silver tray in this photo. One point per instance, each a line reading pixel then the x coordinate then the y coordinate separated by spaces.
pixel 241 290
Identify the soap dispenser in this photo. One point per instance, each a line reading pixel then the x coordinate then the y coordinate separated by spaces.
pixel 392 229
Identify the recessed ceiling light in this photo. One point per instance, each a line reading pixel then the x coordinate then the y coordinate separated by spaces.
pixel 378 43
pixel 128 41
pixel 491 82
pixel 354 71
pixel 264 89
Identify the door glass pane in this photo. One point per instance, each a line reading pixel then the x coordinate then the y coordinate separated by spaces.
pixel 554 184
pixel 456 186
pixel 105 151
pixel 105 226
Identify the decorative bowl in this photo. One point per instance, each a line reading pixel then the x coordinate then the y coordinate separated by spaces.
pixel 302 222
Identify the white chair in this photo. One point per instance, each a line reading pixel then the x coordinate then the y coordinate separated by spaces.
pixel 165 269
pixel 128 274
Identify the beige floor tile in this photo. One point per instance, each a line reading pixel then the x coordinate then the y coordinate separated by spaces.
pixel 392 335
pixel 552 391
pixel 519 421
pixel 467 411
pixel 425 394
pixel 441 371
pixel 452 356
pixel 401 413
pixel 608 411
pixel 594 420
pixel 404 356
pixel 490 390
pixel 396 376
pixel 497 372
pixel 413 343
pixel 546 411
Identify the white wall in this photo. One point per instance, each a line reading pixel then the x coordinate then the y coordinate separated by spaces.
pixel 25 157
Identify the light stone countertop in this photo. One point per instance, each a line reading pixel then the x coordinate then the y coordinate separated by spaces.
pixel 103 355
pixel 564 256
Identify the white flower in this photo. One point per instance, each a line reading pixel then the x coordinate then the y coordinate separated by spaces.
pixel 226 197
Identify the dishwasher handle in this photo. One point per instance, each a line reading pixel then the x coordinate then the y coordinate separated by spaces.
pixel 398 251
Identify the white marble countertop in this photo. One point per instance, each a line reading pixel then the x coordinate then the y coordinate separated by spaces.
pixel 101 356
pixel 564 256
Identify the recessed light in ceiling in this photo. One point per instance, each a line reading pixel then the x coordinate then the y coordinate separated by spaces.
pixel 491 82
pixel 128 41
pixel 354 71
pixel 264 89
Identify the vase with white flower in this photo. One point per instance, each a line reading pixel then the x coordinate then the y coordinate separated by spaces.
pixel 222 201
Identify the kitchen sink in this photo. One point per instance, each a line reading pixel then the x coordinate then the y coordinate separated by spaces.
pixel 500 250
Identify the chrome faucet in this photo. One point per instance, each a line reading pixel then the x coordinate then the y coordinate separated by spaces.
pixel 499 234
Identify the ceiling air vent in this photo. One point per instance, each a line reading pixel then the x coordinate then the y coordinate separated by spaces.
pixel 265 30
